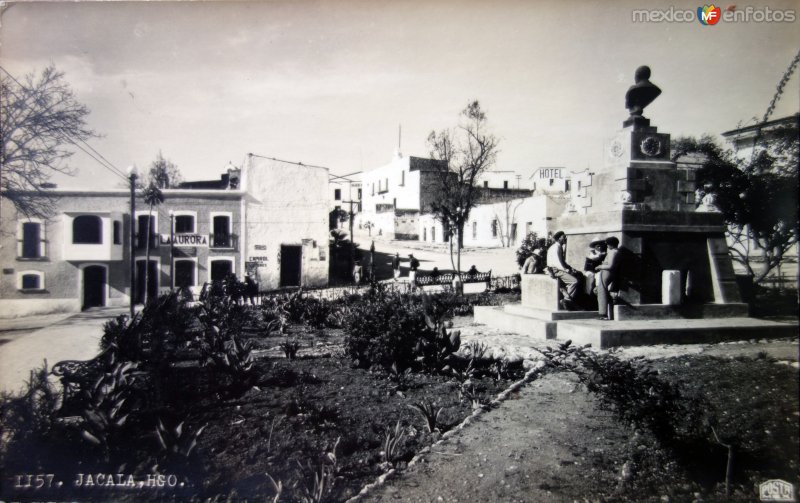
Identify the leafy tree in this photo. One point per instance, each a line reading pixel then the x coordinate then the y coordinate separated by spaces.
pixel 39 118
pixel 163 173
pixel 757 196
pixel 465 153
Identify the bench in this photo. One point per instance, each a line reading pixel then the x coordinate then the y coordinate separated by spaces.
pixel 447 278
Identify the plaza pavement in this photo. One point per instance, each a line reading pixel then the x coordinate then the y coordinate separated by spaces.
pixel 74 337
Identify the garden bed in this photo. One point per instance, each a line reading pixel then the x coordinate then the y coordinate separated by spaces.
pixel 226 401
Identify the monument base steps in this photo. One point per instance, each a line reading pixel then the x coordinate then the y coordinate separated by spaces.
pixel 606 334
pixel 664 312
pixel 635 325
pixel 497 317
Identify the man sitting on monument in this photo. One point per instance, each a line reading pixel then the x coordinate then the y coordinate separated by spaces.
pixel 607 279
pixel 534 263
pixel 562 271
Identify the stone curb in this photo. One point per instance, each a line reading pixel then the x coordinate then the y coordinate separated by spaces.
pixel 529 376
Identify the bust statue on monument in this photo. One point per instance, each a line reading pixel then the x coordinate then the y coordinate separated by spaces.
pixel 639 95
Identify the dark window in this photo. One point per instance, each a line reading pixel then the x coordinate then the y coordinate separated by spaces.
pixel 145 223
pixel 184 224
pixel 551 182
pixel 117 232
pixel 31 239
pixel 220 269
pixel 474 230
pixel 359 194
pixel 567 185
pixel 222 233
pixel 184 273
pixel 337 194
pixel 433 234
pixel 485 184
pixel 87 229
pixel 505 184
pixel 402 178
pixel 31 282
pixel 494 228
pixel 513 232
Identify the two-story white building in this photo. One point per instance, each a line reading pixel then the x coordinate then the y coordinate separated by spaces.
pixel 253 220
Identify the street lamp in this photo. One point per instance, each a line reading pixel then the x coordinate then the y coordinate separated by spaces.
pixel 132 175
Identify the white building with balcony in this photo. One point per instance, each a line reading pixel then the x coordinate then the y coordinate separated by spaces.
pixel 253 220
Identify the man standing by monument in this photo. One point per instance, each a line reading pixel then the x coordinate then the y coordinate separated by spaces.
pixel 606 277
pixel 561 270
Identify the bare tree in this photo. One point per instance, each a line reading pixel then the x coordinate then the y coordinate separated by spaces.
pixel 465 153
pixel 163 173
pixel 506 217
pixel 39 118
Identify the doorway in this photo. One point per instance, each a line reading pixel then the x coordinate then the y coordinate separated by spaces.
pixel 291 260
pixel 94 286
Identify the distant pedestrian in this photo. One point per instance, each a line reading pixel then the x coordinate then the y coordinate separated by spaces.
pixel 413 265
pixel 473 271
pixel 250 289
pixel 396 266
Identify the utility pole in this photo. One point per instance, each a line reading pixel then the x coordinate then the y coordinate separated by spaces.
pixel 350 218
pixel 132 174
pixel 172 250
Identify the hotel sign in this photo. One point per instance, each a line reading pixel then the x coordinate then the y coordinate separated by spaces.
pixel 187 240
pixel 550 173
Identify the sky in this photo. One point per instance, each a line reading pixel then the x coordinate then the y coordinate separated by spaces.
pixel 330 83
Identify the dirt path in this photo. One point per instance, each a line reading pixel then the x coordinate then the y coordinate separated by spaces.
pixel 540 440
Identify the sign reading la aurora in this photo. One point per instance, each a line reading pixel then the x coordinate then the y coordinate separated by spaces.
pixel 188 240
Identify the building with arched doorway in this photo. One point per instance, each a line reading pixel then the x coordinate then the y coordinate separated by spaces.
pixel 251 220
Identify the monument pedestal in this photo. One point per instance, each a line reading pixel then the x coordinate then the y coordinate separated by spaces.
pixel 643 199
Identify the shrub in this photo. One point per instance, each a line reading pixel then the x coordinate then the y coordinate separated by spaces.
pixel 32 412
pixel 436 347
pixel 633 391
pixel 384 328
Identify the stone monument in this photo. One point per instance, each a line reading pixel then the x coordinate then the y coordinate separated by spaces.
pixel 641 197
pixel 675 261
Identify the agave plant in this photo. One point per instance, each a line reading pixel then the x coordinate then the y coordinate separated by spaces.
pixel 177 440
pixel 391 444
pixel 103 401
pixel 429 412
